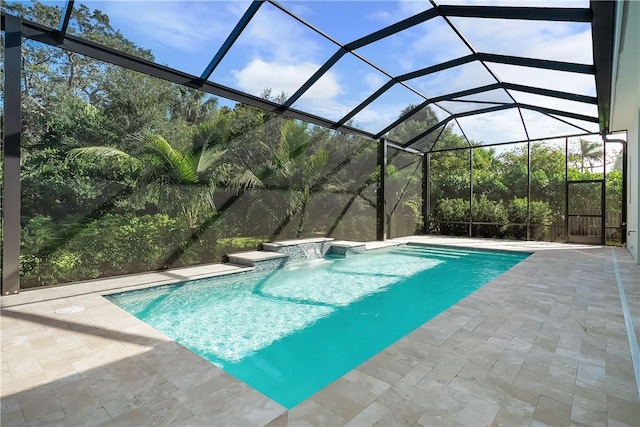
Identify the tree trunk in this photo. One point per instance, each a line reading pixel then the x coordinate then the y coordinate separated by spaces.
pixel 303 215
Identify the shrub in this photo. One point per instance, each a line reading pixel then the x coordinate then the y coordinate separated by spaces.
pixel 540 218
pixel 489 211
pixel 229 245
pixel 452 210
pixel 517 214
pixel 75 249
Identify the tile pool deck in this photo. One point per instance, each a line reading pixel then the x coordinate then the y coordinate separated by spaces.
pixel 543 344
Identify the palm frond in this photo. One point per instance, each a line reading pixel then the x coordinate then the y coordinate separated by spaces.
pixel 101 153
pixel 212 133
pixel 206 197
pixel 179 165
pixel 294 139
pixel 208 158
pixel 243 180
pixel 317 162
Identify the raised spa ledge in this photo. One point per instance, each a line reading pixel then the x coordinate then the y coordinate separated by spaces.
pixel 301 249
pixel 345 248
pixel 261 260
pixel 295 242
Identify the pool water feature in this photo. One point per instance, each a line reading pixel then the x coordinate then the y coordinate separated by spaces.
pixel 290 332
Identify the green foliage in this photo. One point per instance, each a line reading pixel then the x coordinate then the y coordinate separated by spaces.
pixel 449 211
pixel 491 212
pixel 125 173
pixel 494 217
pixel 577 175
pixel 403 188
pixel 238 244
pixel 587 155
pixel 116 244
pixel 614 190
pixel 415 125
pixel 540 218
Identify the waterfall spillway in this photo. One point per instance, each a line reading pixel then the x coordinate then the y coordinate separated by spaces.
pixel 311 251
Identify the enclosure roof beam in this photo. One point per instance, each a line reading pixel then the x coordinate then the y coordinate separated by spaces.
pixel 366 102
pixel 505 85
pixel 552 93
pixel 392 29
pixel 408 76
pixel 503 59
pixel 510 13
pixel 537 63
pixel 601 21
pixel 500 108
pixel 349 48
pixel 602 32
pixel 556 14
pixel 559 113
pixel 438 67
pixel 46 35
pixel 231 38
pixel 498 144
pixel 455 116
pixel 315 77
pixel 64 20
pixel 419 107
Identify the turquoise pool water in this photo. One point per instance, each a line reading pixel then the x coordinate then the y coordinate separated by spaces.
pixel 290 332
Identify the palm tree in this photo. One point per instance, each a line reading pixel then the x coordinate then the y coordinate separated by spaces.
pixel 296 169
pixel 183 181
pixel 398 183
pixel 590 153
pixel 193 106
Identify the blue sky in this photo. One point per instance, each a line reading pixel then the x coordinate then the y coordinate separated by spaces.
pixel 277 52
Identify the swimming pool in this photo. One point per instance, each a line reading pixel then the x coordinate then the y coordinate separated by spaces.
pixel 290 332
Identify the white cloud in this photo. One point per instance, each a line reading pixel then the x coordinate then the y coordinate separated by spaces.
pixel 373 81
pixel 399 10
pixel 374 120
pixel 541 126
pixel 412 7
pixel 583 84
pixel 560 41
pixel 556 103
pixel 452 80
pixel 496 127
pixel 572 48
pixel 258 75
pixel 279 53
pixel 438 42
pixel 300 10
pixel 184 26
pixel 274 36
pixel 331 109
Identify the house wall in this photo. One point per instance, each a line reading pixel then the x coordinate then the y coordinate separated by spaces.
pixel 625 108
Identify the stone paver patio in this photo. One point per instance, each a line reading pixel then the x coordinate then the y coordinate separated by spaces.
pixel 543 344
